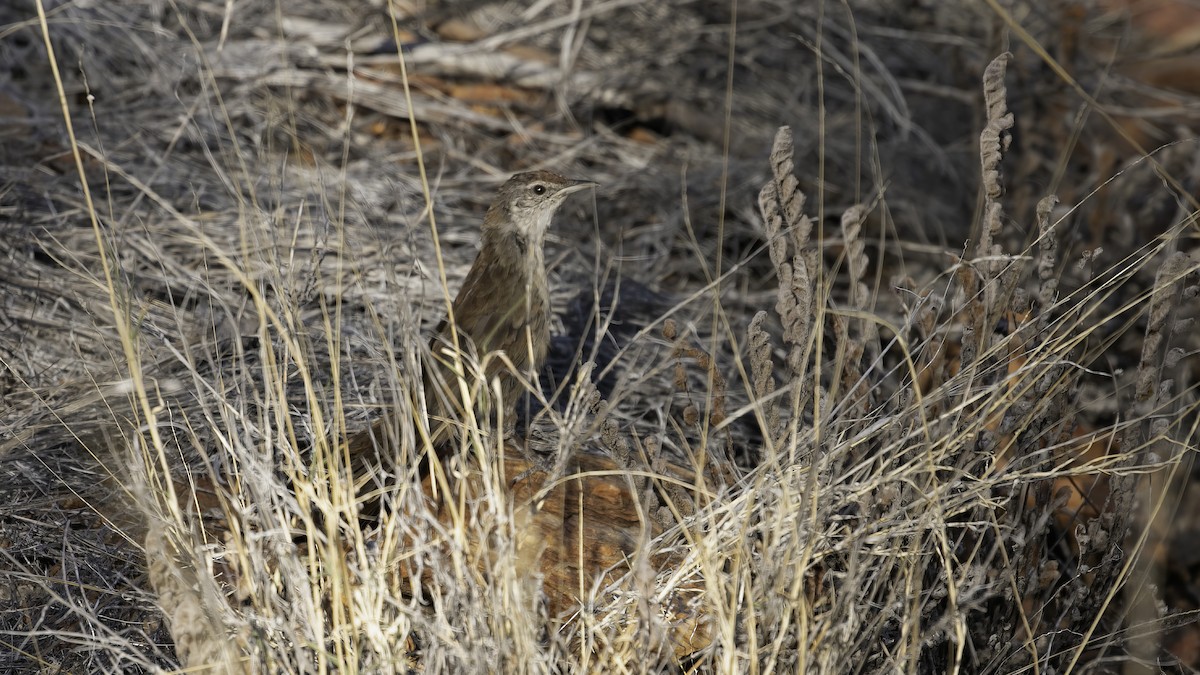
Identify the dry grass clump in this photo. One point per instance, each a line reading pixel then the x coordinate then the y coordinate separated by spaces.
pixel 848 465
pixel 938 497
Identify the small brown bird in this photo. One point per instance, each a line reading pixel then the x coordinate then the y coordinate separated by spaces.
pixel 503 306
pixel 504 303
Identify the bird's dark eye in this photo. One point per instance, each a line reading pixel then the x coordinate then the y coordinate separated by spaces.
pixel 539 189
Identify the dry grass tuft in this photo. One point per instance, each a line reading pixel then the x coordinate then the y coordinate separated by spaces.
pixel 226 270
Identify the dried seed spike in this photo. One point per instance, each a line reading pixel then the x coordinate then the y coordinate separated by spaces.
pixel 989 250
pixel 1163 301
pixel 795 308
pixel 781 152
pixel 782 207
pixel 799 224
pixel 994 139
pixel 860 295
pixel 791 200
pixel 998 275
pixel 787 197
pixel 995 95
pixel 1047 264
pixel 761 368
pixel 856 256
pixel 777 244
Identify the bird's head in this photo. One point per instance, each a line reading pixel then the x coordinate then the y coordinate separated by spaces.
pixel 526 202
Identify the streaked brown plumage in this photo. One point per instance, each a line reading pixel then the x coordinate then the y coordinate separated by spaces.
pixel 503 306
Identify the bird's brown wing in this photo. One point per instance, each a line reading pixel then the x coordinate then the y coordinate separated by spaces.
pixel 499 309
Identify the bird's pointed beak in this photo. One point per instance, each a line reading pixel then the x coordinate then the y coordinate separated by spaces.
pixel 577 185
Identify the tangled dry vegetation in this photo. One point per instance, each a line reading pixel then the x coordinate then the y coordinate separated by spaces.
pixel 907 385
